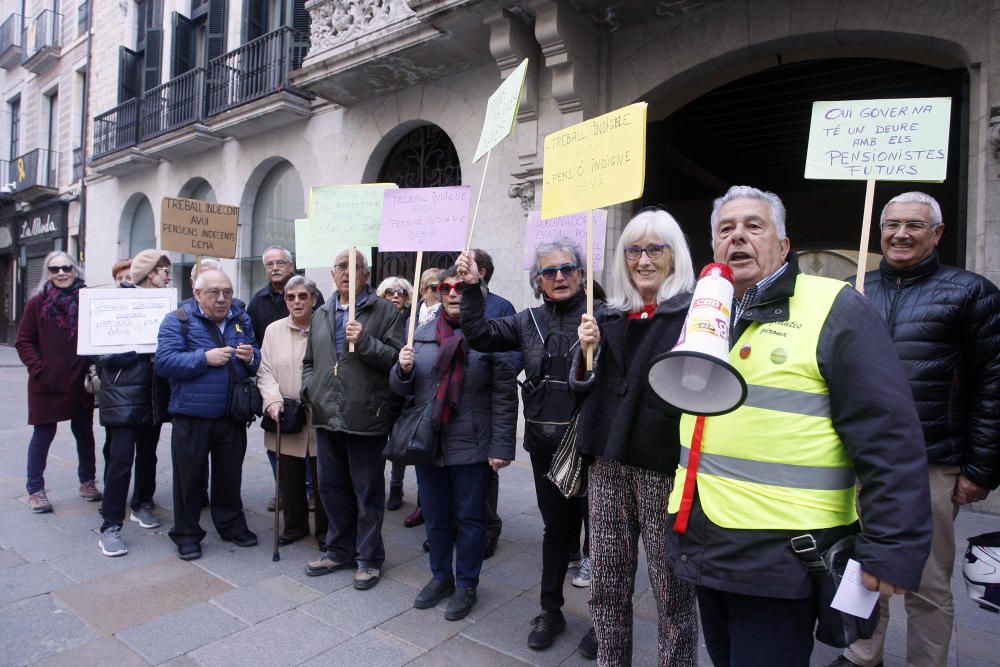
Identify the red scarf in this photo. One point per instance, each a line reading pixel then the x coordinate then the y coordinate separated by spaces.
pixel 646 312
pixel 449 367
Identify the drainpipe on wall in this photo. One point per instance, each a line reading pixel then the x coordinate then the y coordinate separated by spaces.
pixel 82 245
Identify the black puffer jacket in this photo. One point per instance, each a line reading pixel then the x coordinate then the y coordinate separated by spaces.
pixel 945 324
pixel 129 391
pixel 621 418
pixel 546 407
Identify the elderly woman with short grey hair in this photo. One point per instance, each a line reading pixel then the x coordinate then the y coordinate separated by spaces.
pixel 278 378
pixel 46 343
pixel 633 438
pixel 546 337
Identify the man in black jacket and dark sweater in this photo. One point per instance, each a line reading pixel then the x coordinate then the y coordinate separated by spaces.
pixel 945 324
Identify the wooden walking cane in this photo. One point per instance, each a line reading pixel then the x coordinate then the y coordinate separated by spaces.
pixel 277 485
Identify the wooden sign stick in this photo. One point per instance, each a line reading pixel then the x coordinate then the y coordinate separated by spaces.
pixel 590 280
pixel 475 211
pixel 352 266
pixel 866 226
pixel 413 300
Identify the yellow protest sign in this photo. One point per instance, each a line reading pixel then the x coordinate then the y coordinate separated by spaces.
pixel 596 163
pixel 501 111
pixel 879 140
pixel 198 227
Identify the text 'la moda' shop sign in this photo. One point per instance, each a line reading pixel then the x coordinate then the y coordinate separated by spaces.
pixel 43 223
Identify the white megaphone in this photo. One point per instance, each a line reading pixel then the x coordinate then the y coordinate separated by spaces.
pixel 696 376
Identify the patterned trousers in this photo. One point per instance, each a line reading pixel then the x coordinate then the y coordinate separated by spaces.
pixel 625 503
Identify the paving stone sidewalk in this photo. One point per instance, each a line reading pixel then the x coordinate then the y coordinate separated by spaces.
pixel 63 603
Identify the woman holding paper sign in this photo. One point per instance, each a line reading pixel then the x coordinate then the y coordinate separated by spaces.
pixel 46 344
pixel 133 406
pixel 473 405
pixel 633 438
pixel 546 337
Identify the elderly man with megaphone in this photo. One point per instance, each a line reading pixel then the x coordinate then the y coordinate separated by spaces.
pixel 765 493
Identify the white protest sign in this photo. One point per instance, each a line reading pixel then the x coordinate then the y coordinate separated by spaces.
pixel 540 230
pixel 122 320
pixel 501 111
pixel 879 140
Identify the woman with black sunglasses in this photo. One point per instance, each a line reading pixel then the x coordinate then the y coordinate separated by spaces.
pixel 46 343
pixel 633 438
pixel 546 337
pixel 473 403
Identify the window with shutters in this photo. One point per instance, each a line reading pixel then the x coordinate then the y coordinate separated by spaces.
pixel 146 66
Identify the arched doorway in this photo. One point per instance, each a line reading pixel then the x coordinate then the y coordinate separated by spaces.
pixel 424 158
pixel 754 131
pixel 142 228
pixel 279 201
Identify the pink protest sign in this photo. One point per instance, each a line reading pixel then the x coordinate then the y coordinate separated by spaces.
pixel 572 226
pixel 424 219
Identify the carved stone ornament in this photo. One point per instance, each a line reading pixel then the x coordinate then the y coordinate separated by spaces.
pixel 335 22
pixel 525 192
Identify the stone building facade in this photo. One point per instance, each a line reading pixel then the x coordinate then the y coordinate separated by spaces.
pixel 252 103
pixel 43 115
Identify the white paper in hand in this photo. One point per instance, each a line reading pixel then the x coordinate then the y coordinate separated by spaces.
pixel 852 597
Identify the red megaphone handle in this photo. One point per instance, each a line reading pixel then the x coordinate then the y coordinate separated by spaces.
pixel 687 499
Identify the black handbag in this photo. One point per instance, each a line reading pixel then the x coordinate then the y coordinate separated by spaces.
pixel 833 627
pixel 569 471
pixel 293 418
pixel 413 439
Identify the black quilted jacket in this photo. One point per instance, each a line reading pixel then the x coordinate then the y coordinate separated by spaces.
pixel 945 324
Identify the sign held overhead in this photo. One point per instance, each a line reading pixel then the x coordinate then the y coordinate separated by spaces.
pixel 501 111
pixel 879 140
pixel 198 227
pixel 596 163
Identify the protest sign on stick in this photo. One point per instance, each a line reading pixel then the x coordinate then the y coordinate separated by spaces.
pixel 878 140
pixel 593 164
pixel 501 115
pixel 198 227
pixel 341 217
pixel 574 227
pixel 423 219
pixel 122 320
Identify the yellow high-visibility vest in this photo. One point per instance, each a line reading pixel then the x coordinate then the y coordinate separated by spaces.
pixel 776 462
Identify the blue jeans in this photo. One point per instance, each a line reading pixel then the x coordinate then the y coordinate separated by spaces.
pixel 352 488
pixel 82 426
pixel 454 504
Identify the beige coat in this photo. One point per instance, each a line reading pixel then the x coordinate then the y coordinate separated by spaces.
pixel 280 376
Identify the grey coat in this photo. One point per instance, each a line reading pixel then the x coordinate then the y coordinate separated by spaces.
pixel 351 394
pixel 484 424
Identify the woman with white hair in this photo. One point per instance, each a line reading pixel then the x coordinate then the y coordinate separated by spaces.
pixel 632 437
pixel 46 344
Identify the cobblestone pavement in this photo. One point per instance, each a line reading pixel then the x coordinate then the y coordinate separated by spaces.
pixel 63 603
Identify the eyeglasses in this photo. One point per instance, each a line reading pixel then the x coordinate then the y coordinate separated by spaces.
pixel 912 226
pixel 653 250
pixel 292 297
pixel 276 263
pixel 395 291
pixel 567 271
pixel 445 288
pixel 65 268
pixel 215 293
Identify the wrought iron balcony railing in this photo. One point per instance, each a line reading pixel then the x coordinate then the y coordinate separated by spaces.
pixel 36 168
pixel 174 104
pixel 42 32
pixel 10 33
pixel 117 128
pixel 257 69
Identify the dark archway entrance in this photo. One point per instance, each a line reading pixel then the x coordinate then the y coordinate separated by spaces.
pixel 755 131
pixel 423 158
